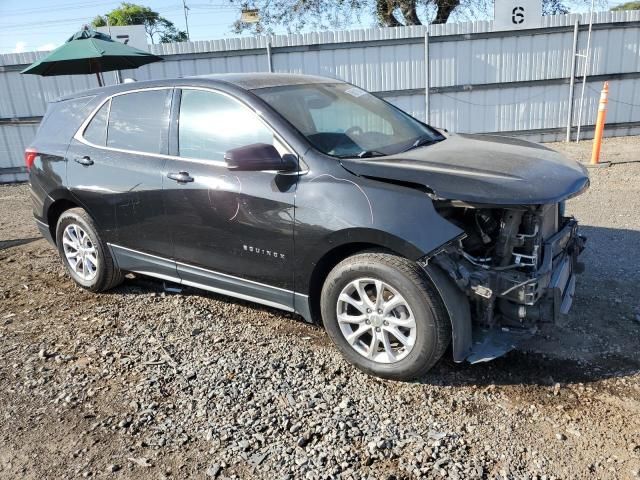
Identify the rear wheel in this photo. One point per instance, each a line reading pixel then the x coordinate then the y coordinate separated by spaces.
pixel 83 253
pixel 385 316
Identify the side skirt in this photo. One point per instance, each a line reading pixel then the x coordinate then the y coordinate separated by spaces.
pixel 146 264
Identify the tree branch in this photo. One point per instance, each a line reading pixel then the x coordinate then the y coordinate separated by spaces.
pixel 445 7
pixel 408 9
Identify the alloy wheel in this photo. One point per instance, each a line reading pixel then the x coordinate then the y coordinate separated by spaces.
pixel 80 252
pixel 376 320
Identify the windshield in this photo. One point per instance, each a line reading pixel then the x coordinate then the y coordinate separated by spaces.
pixel 345 121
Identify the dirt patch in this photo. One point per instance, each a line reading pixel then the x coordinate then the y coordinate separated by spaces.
pixel 142 383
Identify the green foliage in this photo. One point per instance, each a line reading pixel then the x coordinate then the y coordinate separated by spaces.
pixel 157 27
pixel 296 15
pixel 626 6
pixel 554 7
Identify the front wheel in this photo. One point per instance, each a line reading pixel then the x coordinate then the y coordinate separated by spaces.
pixel 385 316
pixel 83 253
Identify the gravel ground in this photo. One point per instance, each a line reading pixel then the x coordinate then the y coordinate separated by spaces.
pixel 144 383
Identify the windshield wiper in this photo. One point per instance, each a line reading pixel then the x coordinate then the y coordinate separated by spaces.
pixel 371 153
pixel 422 142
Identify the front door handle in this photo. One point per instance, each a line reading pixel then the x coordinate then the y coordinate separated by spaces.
pixel 86 161
pixel 180 177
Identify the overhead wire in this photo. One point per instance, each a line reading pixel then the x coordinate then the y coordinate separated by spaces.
pixel 614 100
pixel 499 104
pixel 524 100
pixel 68 20
pixel 62 6
pixel 14 26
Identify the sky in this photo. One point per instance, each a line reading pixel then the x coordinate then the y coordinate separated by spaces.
pixel 46 24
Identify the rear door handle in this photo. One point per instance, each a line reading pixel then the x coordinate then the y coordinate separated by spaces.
pixel 86 161
pixel 180 177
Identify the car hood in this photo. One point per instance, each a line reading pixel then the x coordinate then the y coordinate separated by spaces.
pixel 481 169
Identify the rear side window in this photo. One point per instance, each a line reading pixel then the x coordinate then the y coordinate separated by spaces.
pixel 139 121
pixel 211 123
pixel 63 119
pixel 96 131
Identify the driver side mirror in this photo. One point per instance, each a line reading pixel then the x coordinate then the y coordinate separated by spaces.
pixel 260 156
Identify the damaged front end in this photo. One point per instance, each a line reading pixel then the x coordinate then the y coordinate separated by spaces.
pixel 516 265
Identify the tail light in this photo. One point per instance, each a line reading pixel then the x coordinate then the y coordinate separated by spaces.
pixel 30 155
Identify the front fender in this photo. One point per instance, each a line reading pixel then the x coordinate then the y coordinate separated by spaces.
pixel 338 208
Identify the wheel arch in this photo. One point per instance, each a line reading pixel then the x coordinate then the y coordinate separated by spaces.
pixel 455 302
pixel 322 268
pixel 341 245
pixel 55 210
pixel 458 309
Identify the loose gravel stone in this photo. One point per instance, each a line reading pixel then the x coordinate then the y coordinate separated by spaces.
pixel 213 470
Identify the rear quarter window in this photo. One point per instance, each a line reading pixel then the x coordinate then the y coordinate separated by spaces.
pixel 63 119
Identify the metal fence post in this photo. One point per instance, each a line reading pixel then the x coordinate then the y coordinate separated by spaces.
pixel 587 57
pixel 427 81
pixel 269 57
pixel 572 82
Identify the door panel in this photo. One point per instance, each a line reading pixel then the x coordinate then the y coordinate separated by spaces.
pixel 238 223
pixel 226 223
pixel 121 188
pixel 123 194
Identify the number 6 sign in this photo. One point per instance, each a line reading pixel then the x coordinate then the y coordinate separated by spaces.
pixel 517 14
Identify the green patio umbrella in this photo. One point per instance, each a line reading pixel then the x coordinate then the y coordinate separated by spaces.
pixel 87 52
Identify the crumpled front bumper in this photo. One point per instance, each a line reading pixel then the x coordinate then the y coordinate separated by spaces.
pixel 550 291
pixel 548 297
pixel 563 250
pixel 503 307
pixel 524 296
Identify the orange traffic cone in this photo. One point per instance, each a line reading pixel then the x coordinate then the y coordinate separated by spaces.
pixel 602 115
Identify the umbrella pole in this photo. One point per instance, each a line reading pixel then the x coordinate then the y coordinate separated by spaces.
pixel 99 79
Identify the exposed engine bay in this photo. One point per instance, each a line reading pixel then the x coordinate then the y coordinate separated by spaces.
pixel 516 265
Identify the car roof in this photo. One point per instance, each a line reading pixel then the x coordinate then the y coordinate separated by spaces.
pixel 252 81
pixel 245 81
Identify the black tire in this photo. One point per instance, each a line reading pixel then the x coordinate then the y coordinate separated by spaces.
pixel 107 274
pixel 432 325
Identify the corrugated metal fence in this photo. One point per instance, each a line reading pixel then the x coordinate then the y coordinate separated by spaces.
pixel 479 80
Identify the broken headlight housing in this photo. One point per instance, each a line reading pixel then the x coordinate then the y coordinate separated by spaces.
pixel 515 264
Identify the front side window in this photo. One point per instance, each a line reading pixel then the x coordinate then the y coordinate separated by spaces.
pixel 139 121
pixel 345 121
pixel 96 131
pixel 211 123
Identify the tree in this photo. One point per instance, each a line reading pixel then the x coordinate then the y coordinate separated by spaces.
pixel 157 27
pixel 626 6
pixel 294 15
pixel 554 7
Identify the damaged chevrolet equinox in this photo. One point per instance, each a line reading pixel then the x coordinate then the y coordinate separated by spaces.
pixel 313 196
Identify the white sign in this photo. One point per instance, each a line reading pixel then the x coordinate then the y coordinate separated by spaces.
pixel 250 15
pixel 133 35
pixel 517 14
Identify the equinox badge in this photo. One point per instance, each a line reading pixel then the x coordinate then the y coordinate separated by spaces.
pixel 262 251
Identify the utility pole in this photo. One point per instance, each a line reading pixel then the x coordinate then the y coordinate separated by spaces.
pixel 117 75
pixel 186 22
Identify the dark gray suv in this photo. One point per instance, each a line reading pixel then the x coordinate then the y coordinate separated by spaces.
pixel 313 196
